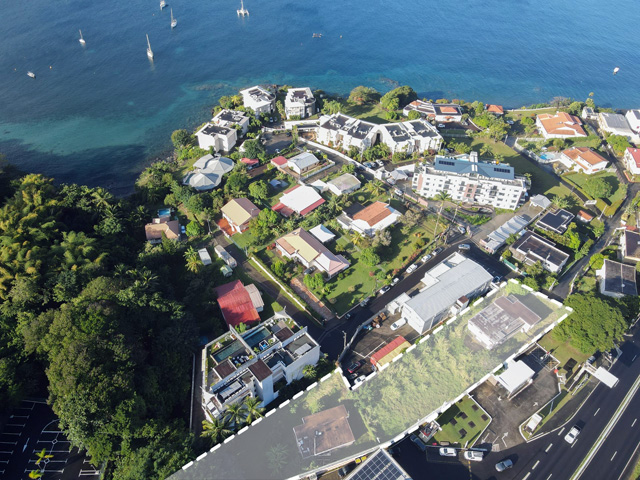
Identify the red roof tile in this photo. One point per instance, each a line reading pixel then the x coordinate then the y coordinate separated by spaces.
pixel 236 305
pixel 495 109
pixel 387 349
pixel 250 161
pixel 279 161
pixel 635 155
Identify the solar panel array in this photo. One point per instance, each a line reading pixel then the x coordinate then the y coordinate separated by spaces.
pixel 379 467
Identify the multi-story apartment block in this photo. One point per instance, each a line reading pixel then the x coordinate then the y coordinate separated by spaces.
pixel 258 99
pixel 255 363
pixel 299 102
pixel 468 180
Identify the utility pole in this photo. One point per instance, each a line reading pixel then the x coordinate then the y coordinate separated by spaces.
pixel 344 335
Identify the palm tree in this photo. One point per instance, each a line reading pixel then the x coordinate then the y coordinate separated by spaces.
pixel 357 238
pixel 216 430
pixel 441 196
pixel 43 455
pixel 486 151
pixel 309 371
pixel 101 198
pixel 561 201
pixel 235 415
pixel 193 260
pixel 35 474
pixel 376 187
pixel 253 408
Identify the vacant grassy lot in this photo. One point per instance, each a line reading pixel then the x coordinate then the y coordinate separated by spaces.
pixel 541 181
pixel 462 424
pixel 370 113
pixel 563 351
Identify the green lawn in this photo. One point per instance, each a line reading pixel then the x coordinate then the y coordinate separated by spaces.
pixel 528 113
pixel 563 351
pixel 452 422
pixel 541 181
pixel 614 200
pixel 370 113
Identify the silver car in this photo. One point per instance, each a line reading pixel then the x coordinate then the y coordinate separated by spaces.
pixel 503 465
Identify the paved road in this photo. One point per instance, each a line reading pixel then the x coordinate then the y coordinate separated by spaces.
pixel 550 457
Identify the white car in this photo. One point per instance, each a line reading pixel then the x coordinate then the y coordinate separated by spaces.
pixel 426 258
pixel 473 455
pixel 395 326
pixel 572 435
pixel 412 268
pixel 441 125
pixel 464 246
pixel 448 452
pixel 359 380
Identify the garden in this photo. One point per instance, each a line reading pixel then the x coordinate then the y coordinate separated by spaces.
pixel 603 187
pixel 462 423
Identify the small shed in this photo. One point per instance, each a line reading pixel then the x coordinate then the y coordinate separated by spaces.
pixel 390 351
pixel 515 376
pixel 322 233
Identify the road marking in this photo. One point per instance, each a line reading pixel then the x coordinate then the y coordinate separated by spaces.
pixel 634 421
pixel 9 433
pixel 526 476
pixel 633 455
pixel 535 465
pixel 634 357
pixel 548 448
pixel 549 476
pixel 8 453
pixel 574 443
pixel 21 425
pixel 10 443
pixel 560 432
pixel 614 456
pixel 596 412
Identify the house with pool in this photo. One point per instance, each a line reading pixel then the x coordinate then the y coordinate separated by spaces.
pixel 255 363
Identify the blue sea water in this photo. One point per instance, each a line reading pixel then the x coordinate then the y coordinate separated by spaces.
pixel 97 114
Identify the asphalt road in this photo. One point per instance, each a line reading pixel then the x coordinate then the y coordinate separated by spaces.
pixel 550 457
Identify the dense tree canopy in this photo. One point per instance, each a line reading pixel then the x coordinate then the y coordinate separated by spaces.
pixel 598 187
pixel 398 98
pixel 361 95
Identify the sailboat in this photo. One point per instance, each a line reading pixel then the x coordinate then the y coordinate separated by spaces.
pixel 616 70
pixel 174 22
pixel 149 51
pixel 242 10
pixel 81 38
pixel 162 4
pixel 31 74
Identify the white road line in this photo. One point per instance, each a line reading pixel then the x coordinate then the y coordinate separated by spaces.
pixel 51 431
pixel 634 421
pixel 574 443
pixel 596 412
pixel 633 455
pixel 9 443
pixel 560 432
pixel 549 476
pixel 548 448
pixel 8 453
pixel 21 425
pixel 4 461
pixel 634 357
pixel 614 456
pixel 535 465
pixel 526 476
pixel 9 433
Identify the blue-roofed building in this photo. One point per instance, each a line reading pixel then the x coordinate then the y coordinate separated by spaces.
pixel 467 179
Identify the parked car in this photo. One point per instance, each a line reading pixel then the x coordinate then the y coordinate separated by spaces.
pixel 277 150
pixel 447 452
pixel 355 366
pixel 418 443
pixel 309 270
pixel 473 455
pixel 395 280
pixel 344 471
pixel 462 230
pixel 365 302
pixel 572 435
pixel 464 246
pixel 380 163
pixel 385 289
pixel 426 258
pixel 412 268
pixel 497 279
pixel 509 122
pixel 398 192
pixel 395 326
pixel 503 465
pixel 359 380
pixel 442 125
pixel 437 251
pixel 347 316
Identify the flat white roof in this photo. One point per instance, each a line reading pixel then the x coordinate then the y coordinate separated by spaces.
pixel 322 233
pixel 516 374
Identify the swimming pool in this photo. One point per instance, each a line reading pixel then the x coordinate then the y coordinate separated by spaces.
pixel 228 351
pixel 257 336
pixel 547 156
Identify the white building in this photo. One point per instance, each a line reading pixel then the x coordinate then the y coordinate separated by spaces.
pixel 583 159
pixel 207 172
pixel 633 119
pixel 617 279
pixel 466 179
pixel 251 364
pixel 302 247
pixel 615 124
pixel 368 220
pixel 299 102
pixel 216 137
pixel 344 184
pixel 258 99
pixel 531 248
pixel 439 112
pixel 589 113
pixel 341 131
pixel 445 284
pixel 413 136
pixel 303 162
pixel 632 160
pixel 230 118
pixel 560 125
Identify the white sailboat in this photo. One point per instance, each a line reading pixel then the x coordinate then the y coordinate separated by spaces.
pixel 174 22
pixel 162 4
pixel 149 51
pixel 31 74
pixel 616 70
pixel 81 38
pixel 242 10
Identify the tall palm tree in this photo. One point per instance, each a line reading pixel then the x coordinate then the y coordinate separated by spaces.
pixel 441 197
pixel 253 408
pixel 35 474
pixel 357 238
pixel 101 198
pixel 193 260
pixel 235 415
pixel 43 455
pixel 486 151
pixel 216 430
pixel 376 187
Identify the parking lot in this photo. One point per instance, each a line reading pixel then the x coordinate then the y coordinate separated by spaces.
pixel 29 429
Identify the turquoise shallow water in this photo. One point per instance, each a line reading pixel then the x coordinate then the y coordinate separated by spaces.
pixel 97 114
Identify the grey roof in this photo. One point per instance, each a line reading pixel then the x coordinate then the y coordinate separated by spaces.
pixel 462 279
pixel 379 466
pixel 557 221
pixel 304 160
pixel 499 236
pixel 231 116
pixel 422 129
pixel 619 278
pixel 635 113
pixel 537 248
pixel 463 166
pixel 336 122
pixel 215 130
pixel 631 244
pixel 396 131
pixel 615 120
pixel 345 181
pixel 360 129
pixel 540 201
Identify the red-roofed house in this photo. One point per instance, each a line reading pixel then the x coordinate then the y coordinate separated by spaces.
pixel 279 162
pixel 632 160
pixel 584 216
pixel 300 199
pixel 368 220
pixel 560 125
pixel 495 109
pixel 390 351
pixel 584 159
pixel 250 162
pixel 236 304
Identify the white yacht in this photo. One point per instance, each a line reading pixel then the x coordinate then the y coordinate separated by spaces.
pixel 81 38
pixel 149 51
pixel 242 10
pixel 174 22
pixel 31 74
pixel 162 4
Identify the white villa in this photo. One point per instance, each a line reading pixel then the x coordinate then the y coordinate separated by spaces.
pixel 412 136
pixel 469 180
pixel 216 137
pixel 258 99
pixel 632 160
pixel 584 159
pixel 341 131
pixel 208 172
pixel 302 247
pixel 633 119
pixel 230 118
pixel 615 124
pixel 560 125
pixel 368 220
pixel 439 112
pixel 299 102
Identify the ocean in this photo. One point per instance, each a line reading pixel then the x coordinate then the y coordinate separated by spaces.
pixel 98 114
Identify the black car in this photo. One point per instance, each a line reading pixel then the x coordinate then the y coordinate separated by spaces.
pixel 437 251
